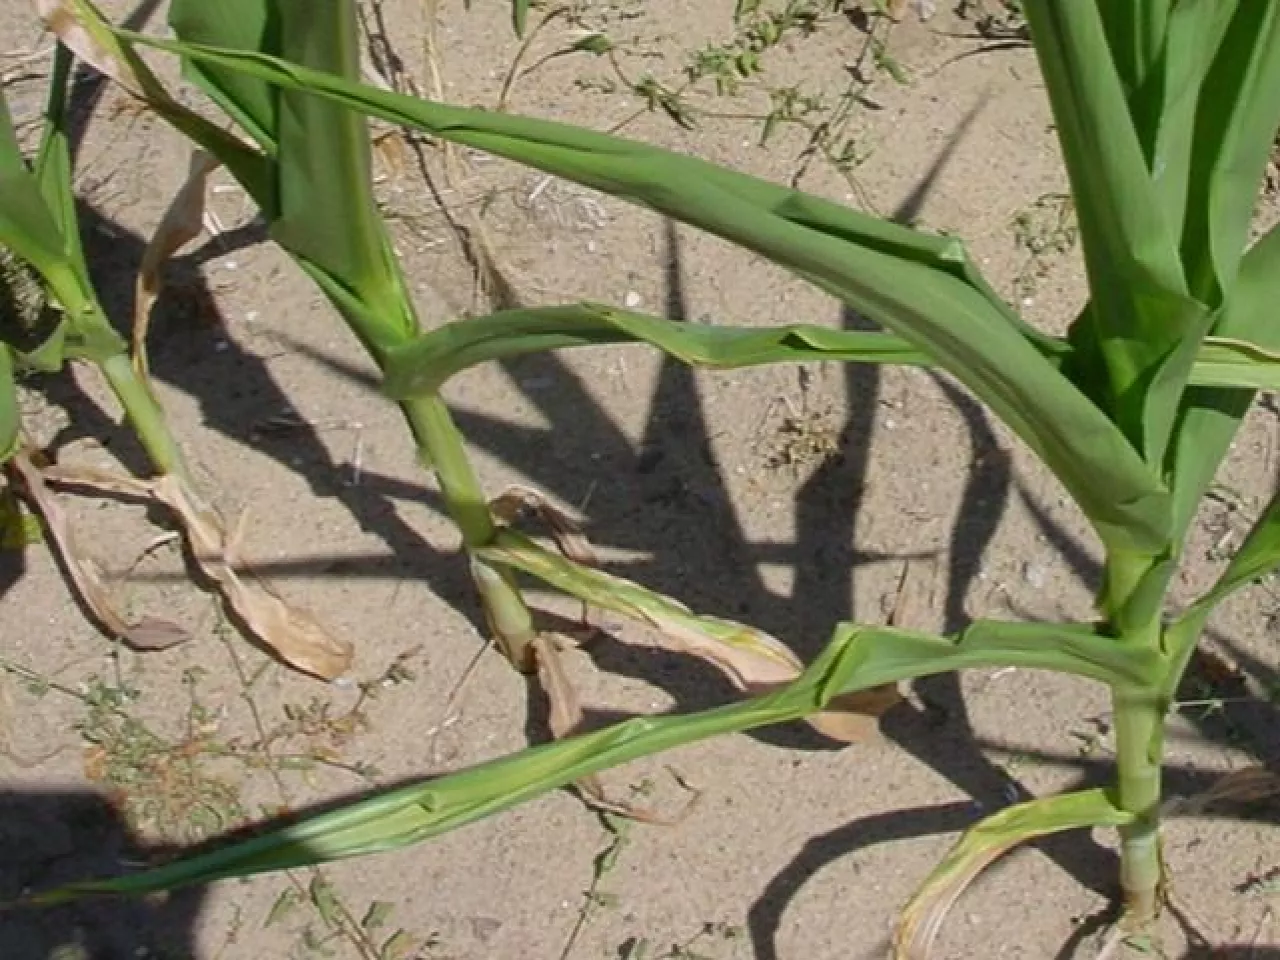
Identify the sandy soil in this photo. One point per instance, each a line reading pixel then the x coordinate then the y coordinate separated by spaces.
pixel 785 499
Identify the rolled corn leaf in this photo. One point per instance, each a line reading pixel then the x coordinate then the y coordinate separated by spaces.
pixel 855 659
pixel 982 845
pixel 922 300
pixel 422 366
pixel 1235 131
pixel 1142 325
pixel 425 364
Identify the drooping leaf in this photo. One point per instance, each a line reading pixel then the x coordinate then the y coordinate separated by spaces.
pixel 986 842
pixel 951 320
pixel 856 658
pixel 145 633
pixel 440 353
pixel 289 631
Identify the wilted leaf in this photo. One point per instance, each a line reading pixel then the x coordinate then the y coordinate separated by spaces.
pixel 984 843
pixel 565 529
pixel 151 633
pixel 293 634
pixel 854 717
pixel 99 50
pixel 181 224
pixel 753 661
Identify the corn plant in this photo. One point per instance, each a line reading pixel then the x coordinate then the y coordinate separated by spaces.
pixel 38 223
pixel 51 314
pixel 1165 113
pixel 307 166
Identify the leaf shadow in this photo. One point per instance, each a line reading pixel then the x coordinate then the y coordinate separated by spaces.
pixel 52 837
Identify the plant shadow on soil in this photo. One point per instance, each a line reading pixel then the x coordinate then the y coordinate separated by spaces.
pixel 49 838
pixel 674 510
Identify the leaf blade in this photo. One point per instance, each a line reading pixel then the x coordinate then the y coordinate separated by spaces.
pixel 984 843
pixel 855 659
pixel 938 312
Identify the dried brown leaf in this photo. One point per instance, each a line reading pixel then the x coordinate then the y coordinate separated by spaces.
pixel 153 633
pixel 754 661
pixel 293 634
pixel 83 37
pixel 565 529
pixel 181 224
pixel 150 633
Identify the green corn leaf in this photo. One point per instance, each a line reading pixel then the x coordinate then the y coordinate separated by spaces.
pixel 1241 366
pixel 322 211
pixel 855 659
pixel 327 213
pixel 424 365
pixel 1134 32
pixel 1235 131
pixel 38 224
pixel 53 163
pixel 986 842
pixel 29 235
pixel 431 359
pixel 27 226
pixel 1213 415
pixel 1168 109
pixel 939 313
pixel 10 418
pixel 81 25
pixel 1258 556
pixel 240 25
pixel 1140 311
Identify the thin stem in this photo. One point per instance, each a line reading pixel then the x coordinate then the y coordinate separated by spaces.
pixel 146 416
pixel 1139 719
pixel 440 448
pixel 1139 710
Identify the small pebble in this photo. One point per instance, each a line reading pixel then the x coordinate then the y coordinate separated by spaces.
pixel 1034 574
